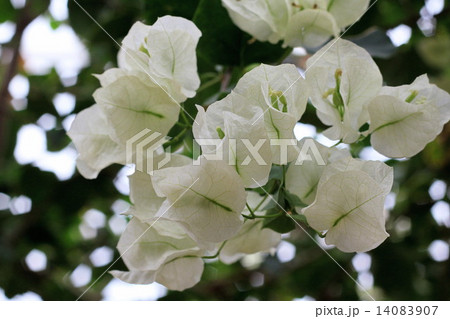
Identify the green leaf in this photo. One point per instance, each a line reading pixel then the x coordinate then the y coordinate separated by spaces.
pixel 221 39
pixel 293 200
pixel 7 12
pixel 54 24
pixel 300 218
pixel 153 9
pixel 282 224
pixel 225 44
pixel 263 52
pixel 276 172
pixel 364 127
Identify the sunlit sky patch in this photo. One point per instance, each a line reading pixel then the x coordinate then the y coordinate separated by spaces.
pixel 400 35
pixel 43 48
pixel 31 148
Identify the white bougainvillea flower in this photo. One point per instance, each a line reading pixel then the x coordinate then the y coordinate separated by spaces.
pixel 146 202
pixel 133 54
pixel 343 78
pixel 164 51
pixel 151 256
pixel 310 28
pixel 240 138
pixel 265 20
pixel 206 199
pixel 171 43
pixel 132 105
pixel 349 206
pixel 91 135
pixel 282 94
pixel 251 239
pixel 347 12
pixel 303 175
pixel 178 274
pixel 378 171
pixel 404 119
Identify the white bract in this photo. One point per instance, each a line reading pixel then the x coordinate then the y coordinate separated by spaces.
pixel 132 105
pixel 343 78
pixel 239 139
pixel 298 23
pixel 264 20
pixel 152 256
pixel 146 202
pixel 310 28
pixel 281 93
pixel 349 205
pixel 378 171
pixel 303 175
pixel 404 119
pixel 251 239
pixel 165 51
pixel 347 12
pixel 91 133
pixel 206 199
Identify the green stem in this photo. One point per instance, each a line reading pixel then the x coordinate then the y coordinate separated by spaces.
pixel 261 216
pixel 176 139
pixel 321 235
pixel 261 202
pixel 211 82
pixel 217 253
pixel 337 143
pixel 250 210
pixel 184 117
pixel 330 5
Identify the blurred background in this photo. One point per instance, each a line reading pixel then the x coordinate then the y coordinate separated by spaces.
pixel 58 231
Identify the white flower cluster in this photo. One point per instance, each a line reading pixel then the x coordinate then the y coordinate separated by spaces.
pixel 157 71
pixel 308 23
pixel 216 206
pixel 347 93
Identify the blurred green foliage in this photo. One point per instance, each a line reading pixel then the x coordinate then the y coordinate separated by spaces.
pixel 402 267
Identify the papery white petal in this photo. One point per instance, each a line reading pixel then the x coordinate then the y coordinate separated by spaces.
pixel 240 135
pixel 347 12
pixel 401 129
pixel 251 239
pixel 207 199
pixel 349 205
pixel 303 175
pixel 143 248
pixel 181 273
pixel 132 105
pixel 131 56
pixel 378 171
pixel 136 277
pixel 171 43
pixel 143 196
pixel 264 20
pixel 178 274
pixel 91 135
pixel 310 28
